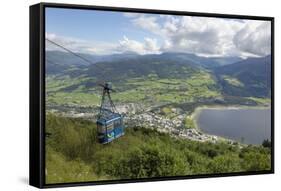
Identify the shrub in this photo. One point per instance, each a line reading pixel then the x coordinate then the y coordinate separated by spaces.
pixel 225 163
pixel 151 161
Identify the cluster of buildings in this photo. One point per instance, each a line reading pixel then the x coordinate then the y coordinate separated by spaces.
pixel 135 115
pixel 174 126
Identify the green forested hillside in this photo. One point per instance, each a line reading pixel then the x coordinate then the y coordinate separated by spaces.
pixel 247 78
pixel 73 154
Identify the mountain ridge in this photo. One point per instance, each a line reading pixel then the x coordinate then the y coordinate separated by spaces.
pixel 246 78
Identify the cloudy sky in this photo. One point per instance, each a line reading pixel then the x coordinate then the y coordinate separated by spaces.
pixel 102 32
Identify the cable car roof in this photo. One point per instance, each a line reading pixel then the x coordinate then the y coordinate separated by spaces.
pixel 109 118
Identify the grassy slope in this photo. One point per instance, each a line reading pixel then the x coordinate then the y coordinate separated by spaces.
pixel 73 154
pixel 145 89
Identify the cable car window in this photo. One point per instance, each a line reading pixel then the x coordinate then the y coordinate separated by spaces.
pixel 101 128
pixel 109 126
pixel 117 123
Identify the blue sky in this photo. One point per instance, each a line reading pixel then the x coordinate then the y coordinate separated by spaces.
pixel 108 32
pixel 92 25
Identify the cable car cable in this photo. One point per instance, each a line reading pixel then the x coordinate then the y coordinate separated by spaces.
pixel 100 82
pixel 73 53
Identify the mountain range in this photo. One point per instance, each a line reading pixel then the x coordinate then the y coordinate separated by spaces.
pixel 235 76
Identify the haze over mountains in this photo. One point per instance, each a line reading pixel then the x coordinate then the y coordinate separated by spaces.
pixel 234 75
pixel 208 62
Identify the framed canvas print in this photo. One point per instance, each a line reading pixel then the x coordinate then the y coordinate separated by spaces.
pixel 127 95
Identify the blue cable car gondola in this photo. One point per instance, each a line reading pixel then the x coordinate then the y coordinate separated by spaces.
pixel 109 123
pixel 110 127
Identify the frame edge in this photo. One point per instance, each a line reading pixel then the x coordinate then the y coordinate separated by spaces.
pixel 35 165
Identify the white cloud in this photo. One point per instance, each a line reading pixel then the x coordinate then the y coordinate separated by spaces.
pixel 208 36
pixel 79 45
pixel 148 47
pixel 151 45
pixel 199 35
pixel 254 38
pixel 129 45
pixel 147 23
pixel 76 45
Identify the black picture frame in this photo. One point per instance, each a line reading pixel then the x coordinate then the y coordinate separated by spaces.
pixel 37 93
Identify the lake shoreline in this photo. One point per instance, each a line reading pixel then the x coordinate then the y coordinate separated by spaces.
pixel 197 110
pixel 195 114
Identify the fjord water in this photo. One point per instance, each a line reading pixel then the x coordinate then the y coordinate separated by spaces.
pixel 250 126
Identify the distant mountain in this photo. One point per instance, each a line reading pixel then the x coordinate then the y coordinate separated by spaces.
pixel 142 66
pixel 65 58
pixel 63 62
pixel 237 77
pixel 250 77
pixel 206 62
pixel 222 61
pixel 58 61
pixel 119 68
